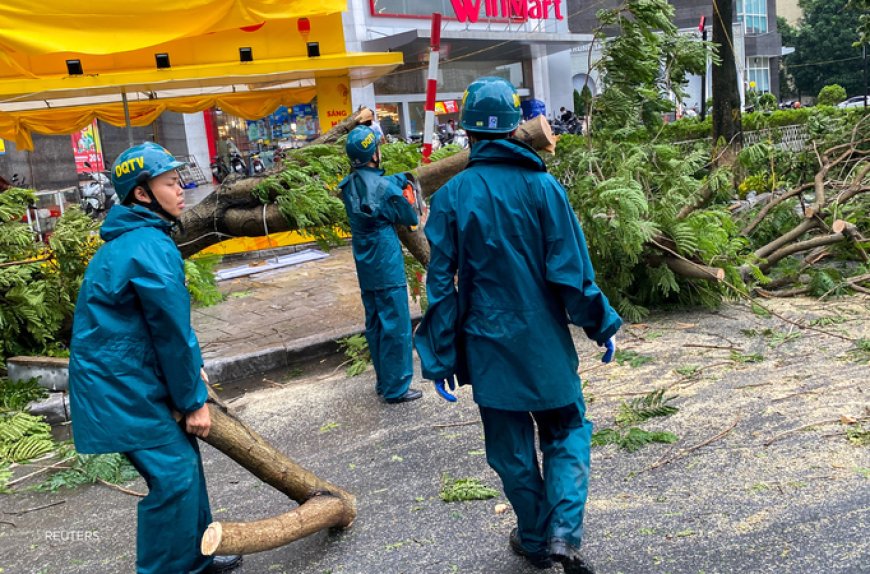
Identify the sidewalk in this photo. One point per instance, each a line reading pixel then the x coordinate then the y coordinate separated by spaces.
pixel 275 319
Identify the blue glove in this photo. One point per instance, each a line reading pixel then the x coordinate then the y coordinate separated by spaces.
pixel 610 349
pixel 439 388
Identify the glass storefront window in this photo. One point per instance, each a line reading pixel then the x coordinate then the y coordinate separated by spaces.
pixel 452 76
pixel 388 117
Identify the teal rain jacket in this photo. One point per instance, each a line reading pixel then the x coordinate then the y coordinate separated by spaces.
pixel 374 203
pixel 134 356
pixel 505 228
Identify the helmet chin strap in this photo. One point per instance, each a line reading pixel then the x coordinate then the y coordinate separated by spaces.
pixel 157 207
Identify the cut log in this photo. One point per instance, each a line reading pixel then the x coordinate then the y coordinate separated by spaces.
pixel 800 246
pixel 247 537
pixel 694 270
pixel 362 115
pixel 322 504
pixel 245 446
pixel 851 232
pixel 536 133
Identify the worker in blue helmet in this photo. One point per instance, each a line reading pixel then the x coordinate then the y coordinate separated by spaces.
pixel 374 204
pixel 504 227
pixel 135 363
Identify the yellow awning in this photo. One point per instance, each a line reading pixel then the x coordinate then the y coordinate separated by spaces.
pixel 33 27
pixel 17 126
pixel 205 69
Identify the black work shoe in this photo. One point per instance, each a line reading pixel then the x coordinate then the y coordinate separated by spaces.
pixel 224 563
pixel 410 395
pixel 569 557
pixel 539 561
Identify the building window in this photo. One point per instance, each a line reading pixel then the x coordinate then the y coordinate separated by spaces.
pixel 758 71
pixel 753 14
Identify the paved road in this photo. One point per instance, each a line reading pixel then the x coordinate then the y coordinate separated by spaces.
pixel 749 487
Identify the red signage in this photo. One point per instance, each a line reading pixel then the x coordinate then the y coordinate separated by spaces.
pixel 470 10
pixel 86 148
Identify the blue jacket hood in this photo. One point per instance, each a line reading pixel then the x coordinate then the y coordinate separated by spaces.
pixel 510 151
pixel 122 219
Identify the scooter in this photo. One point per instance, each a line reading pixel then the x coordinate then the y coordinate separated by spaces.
pixel 238 164
pixel 257 165
pixel 97 193
pixel 219 169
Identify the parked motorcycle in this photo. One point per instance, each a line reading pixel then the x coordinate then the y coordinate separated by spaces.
pixel 257 165
pixel 572 126
pixel 97 192
pixel 219 169
pixel 238 164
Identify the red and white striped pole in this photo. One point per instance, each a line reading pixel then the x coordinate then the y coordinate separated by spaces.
pixel 431 86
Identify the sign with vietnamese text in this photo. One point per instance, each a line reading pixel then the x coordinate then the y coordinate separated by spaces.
pixel 333 101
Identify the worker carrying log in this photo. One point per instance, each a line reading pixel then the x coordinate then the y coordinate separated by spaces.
pixel 505 228
pixel 134 359
pixel 374 203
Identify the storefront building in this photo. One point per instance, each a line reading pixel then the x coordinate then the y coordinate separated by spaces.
pixel 525 41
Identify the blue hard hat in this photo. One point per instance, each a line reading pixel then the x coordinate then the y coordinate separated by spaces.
pixel 362 143
pixel 492 105
pixel 136 165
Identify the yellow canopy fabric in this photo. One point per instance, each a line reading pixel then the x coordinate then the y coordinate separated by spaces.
pixel 17 126
pixel 35 27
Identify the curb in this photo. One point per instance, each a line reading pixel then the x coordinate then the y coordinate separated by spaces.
pixel 312 348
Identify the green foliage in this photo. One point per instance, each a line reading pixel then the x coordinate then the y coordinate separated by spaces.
pixel 767 102
pixel 305 191
pixel 654 404
pixel 825 46
pixel 860 352
pixel 201 281
pixel 631 439
pixel 462 489
pixel 635 88
pixel 831 95
pixel 632 358
pixel 356 349
pixel 23 437
pixel 739 357
pixel 16 395
pixel 858 435
pixel 114 468
pixel 629 194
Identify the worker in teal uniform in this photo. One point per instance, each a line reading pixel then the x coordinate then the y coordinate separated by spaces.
pixel 374 203
pixel 504 227
pixel 135 362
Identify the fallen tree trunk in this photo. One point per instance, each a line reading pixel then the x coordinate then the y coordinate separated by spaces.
pixel 233 211
pixel 321 503
pixel 247 537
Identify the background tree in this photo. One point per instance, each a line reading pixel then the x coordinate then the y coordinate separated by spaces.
pixel 787 89
pixel 825 47
pixel 726 91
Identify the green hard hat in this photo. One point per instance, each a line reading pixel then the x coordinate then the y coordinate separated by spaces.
pixel 490 104
pixel 362 143
pixel 138 164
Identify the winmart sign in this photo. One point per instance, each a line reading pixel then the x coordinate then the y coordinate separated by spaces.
pixel 469 10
